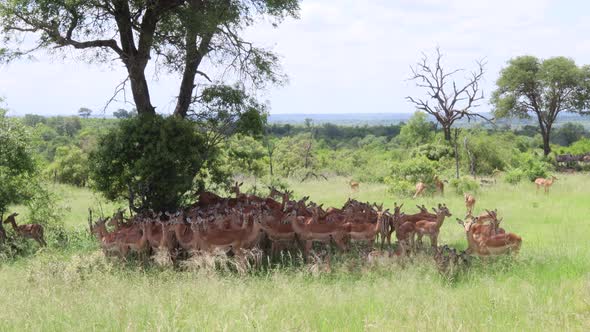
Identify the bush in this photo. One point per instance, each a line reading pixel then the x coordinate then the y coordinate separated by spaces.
pixel 514 176
pixel 464 185
pixel 406 174
pixel 155 158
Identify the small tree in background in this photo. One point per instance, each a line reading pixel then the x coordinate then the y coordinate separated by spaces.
pixel 543 89
pixel 124 114
pixel 417 131
pixel 84 112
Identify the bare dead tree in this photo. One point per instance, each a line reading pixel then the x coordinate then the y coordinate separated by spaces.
pixel 446 100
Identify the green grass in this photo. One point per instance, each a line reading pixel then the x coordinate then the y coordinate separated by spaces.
pixel 545 288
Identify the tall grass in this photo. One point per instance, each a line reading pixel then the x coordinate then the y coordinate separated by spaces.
pixel 545 288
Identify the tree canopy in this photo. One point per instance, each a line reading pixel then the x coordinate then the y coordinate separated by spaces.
pixel 17 166
pixel 150 173
pixel 178 35
pixel 529 86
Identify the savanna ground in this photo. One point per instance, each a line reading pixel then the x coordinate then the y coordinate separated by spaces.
pixel 546 287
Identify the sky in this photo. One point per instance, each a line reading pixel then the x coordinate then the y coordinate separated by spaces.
pixel 341 56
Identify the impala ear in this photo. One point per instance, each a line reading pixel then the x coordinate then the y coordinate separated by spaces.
pixel 401 205
pixel 241 183
pixel 460 222
pixel 435 210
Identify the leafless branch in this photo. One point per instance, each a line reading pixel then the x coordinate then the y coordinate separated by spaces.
pixel 451 101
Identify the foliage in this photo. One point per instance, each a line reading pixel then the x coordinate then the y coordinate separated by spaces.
pixel 224 111
pixel 530 166
pixel 529 87
pixel 405 175
pixel 568 133
pixel 70 166
pixel 433 151
pixel 514 175
pixel 122 113
pixel 580 147
pixel 150 160
pixel 176 35
pixel 17 167
pixel 417 131
pixel 464 185
pixel 245 155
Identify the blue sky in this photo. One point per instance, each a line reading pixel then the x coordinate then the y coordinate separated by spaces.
pixel 341 56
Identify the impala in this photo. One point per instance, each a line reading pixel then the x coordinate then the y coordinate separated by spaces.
pixel 28 231
pixel 439 185
pixel 420 187
pixel 404 232
pixel 366 232
pixel 469 202
pixel 354 186
pixel 108 241
pixel 225 240
pixel 482 244
pixel 315 232
pixel 432 228
pixel 545 183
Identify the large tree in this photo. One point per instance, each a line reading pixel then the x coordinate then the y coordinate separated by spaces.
pixel 176 34
pixel 529 86
pixel 447 99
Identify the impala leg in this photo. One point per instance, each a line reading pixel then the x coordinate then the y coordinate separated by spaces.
pixel 306 250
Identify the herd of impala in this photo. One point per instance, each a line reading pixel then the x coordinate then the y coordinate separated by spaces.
pixel 277 223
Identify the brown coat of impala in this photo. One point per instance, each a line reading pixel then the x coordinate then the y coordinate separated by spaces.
pixel 432 228
pixel 316 232
pixel 28 231
pixel 545 183
pixel 482 244
pixel 469 203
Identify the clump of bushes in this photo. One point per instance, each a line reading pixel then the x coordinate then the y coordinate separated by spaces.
pixel 464 185
pixel 514 176
pixel 528 167
pixel 405 175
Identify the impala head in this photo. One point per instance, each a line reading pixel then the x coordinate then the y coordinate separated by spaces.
pixel 442 210
pixel 397 209
pixel 467 224
pixel 10 217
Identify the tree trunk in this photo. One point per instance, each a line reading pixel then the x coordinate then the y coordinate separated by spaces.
pixel 546 146
pixel 447 131
pixel 140 90
pixel 194 56
pixel 456 145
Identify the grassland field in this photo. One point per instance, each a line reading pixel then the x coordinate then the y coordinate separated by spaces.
pixel 545 288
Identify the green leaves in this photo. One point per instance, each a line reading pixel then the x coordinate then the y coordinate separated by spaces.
pixel 151 159
pixel 544 88
pixel 17 167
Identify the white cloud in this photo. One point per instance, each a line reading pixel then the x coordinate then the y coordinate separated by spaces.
pixel 345 55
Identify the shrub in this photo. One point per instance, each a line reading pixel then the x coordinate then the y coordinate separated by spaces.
pixel 154 157
pixel 464 185
pixel 514 176
pixel 406 174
